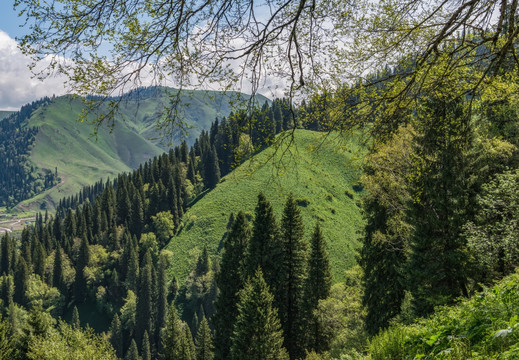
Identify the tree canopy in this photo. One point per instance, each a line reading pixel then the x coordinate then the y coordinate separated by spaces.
pixel 107 48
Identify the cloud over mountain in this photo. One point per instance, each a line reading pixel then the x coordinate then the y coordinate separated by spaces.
pixel 18 85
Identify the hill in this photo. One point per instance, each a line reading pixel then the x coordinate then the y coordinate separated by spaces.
pixel 321 174
pixel 81 158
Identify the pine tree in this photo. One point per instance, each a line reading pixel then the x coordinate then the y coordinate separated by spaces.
pixel 317 286
pixel 132 353
pixel 266 247
pixel 211 168
pixel 145 349
pixel 82 262
pixel 437 262
pixel 230 280
pixel 293 275
pixel 188 351
pixel 75 318
pixel 57 272
pixel 385 244
pixel 202 265
pixel 38 256
pixel 171 337
pixel 257 332
pixel 162 295
pixel 21 281
pixel 137 214
pixel 116 336
pixel 144 303
pixel 204 341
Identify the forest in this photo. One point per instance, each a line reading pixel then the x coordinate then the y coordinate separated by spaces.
pixel 19 178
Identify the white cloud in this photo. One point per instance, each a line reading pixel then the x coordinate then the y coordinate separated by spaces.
pixel 17 84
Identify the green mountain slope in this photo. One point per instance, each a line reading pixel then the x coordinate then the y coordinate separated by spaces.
pixel 81 158
pixel 321 180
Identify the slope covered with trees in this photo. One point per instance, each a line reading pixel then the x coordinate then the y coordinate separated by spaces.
pixel 82 154
pixel 20 178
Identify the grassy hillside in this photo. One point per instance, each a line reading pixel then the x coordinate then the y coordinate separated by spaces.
pixel 320 179
pixel 484 327
pixel 82 159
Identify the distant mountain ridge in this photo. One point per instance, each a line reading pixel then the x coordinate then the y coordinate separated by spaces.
pixel 80 158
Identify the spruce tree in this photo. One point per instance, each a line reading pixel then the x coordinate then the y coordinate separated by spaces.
pixel 144 303
pixel 211 168
pixel 132 353
pixel 257 331
pixel 173 337
pixel 317 286
pixel 230 280
pixel 293 275
pixel 187 345
pixel 38 256
pixel 21 281
pixel 266 248
pixel 75 322
pixel 162 295
pixel 116 336
pixel 57 272
pixel 145 348
pixel 437 263
pixel 82 262
pixel 204 341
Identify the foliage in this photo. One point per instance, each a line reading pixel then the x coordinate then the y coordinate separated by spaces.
pixel 67 342
pixel 257 331
pixel 483 327
pixel 385 247
pixel 492 237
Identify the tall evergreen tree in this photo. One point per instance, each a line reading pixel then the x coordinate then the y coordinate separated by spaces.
pixel 82 262
pixel 162 295
pixel 204 341
pixel 38 256
pixel 230 280
pixel 317 286
pixel 171 337
pixel 437 263
pixel 133 352
pixel 57 272
pixel 266 247
pixel 144 303
pixel 385 244
pixel 145 348
pixel 211 168
pixel 187 346
pixel 21 281
pixel 257 332
pixel 75 322
pixel 293 275
pixel 116 336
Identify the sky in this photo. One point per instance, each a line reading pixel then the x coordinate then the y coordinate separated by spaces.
pixel 17 85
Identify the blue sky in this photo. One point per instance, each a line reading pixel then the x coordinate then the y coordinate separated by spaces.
pixel 9 20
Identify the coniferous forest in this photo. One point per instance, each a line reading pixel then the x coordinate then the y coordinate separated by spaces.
pixel 20 179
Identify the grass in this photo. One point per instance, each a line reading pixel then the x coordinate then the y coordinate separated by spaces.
pixel 320 179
